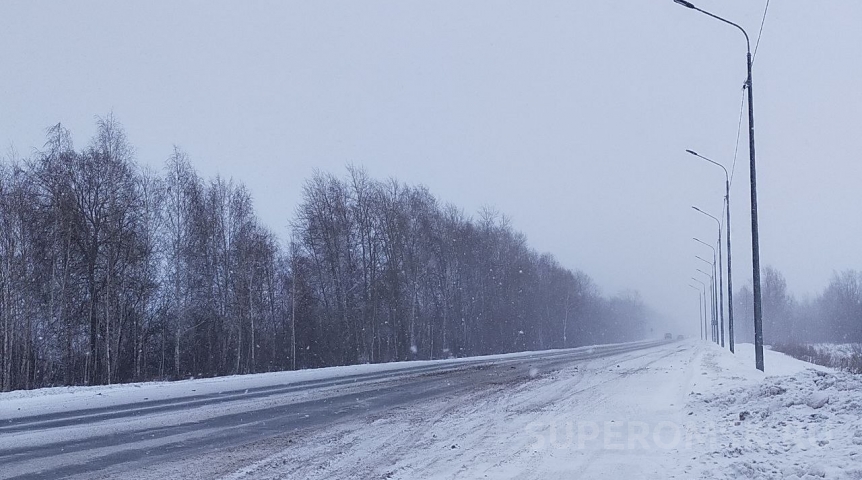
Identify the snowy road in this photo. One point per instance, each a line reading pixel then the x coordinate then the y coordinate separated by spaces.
pixel 651 410
pixel 118 430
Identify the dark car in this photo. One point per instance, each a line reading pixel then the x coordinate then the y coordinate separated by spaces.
pixel 668 336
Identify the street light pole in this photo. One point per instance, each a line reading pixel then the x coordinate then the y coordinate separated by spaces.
pixel 703 304
pixel 713 313
pixel 714 276
pixel 729 269
pixel 708 324
pixel 713 295
pixel 720 281
pixel 755 237
pixel 699 309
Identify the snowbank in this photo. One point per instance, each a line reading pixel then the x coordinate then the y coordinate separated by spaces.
pixel 677 410
pixel 804 422
pixel 45 401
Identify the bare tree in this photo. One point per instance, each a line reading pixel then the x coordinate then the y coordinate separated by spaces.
pixel 111 273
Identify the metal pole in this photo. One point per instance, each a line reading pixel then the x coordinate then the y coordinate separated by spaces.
pixel 712 317
pixel 715 285
pixel 755 237
pixel 715 306
pixel 711 327
pixel 713 300
pixel 720 275
pixel 727 229
pixel 704 314
pixel 715 289
pixel 729 273
pixel 720 291
pixel 703 327
pixel 699 309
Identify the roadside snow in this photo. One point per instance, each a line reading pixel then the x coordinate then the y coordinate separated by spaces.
pixel 24 403
pixel 775 363
pixel 839 351
pixel 803 423
pixel 616 417
pixel 686 410
pixel 844 356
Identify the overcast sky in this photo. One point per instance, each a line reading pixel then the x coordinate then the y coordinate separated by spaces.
pixel 571 117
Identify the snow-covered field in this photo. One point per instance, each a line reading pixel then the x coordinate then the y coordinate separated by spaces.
pixel 841 356
pixel 682 410
pixel 839 350
pixel 845 356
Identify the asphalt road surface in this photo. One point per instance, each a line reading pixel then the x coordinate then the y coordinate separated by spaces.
pixel 128 437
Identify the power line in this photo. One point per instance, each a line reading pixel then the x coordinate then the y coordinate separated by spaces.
pixel 742 100
pixel 738 132
pixel 736 148
pixel 760 33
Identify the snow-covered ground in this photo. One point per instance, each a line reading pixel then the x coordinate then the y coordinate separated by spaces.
pixel 840 350
pixel 24 403
pixel 800 421
pixel 684 410
pixel 841 356
pixel 846 356
pixel 681 410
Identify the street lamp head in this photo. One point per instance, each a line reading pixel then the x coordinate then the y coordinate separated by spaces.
pixel 692 152
pixel 699 210
pixel 684 3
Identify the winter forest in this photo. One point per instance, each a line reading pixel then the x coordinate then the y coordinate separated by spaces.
pixel 111 272
pixel 834 316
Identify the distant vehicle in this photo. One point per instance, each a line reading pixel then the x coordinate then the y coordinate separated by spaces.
pixel 668 336
pixel 680 337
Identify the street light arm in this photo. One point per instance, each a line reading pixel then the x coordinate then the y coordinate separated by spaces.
pixel 717 221
pixel 726 175
pixel 690 5
pixel 708 245
pixel 747 40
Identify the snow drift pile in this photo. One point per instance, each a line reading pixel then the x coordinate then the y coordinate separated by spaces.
pixel 802 426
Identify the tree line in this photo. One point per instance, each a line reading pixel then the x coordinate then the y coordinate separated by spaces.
pixel 112 272
pixel 833 316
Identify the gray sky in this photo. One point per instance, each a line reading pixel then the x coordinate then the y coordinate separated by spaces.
pixel 572 117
